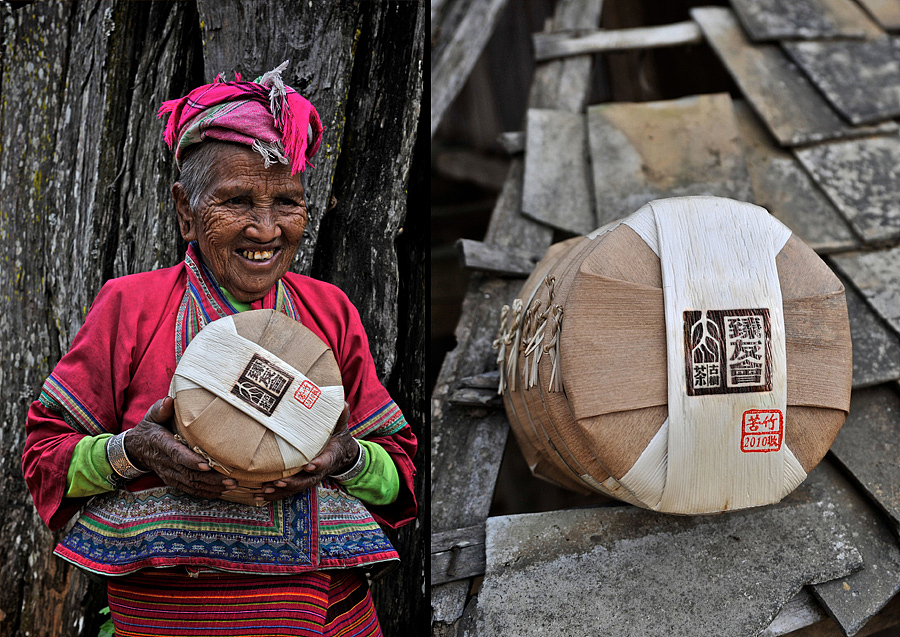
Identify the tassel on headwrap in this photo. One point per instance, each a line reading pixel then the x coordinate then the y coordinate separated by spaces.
pixel 265 114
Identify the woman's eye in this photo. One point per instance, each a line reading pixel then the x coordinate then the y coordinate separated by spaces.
pixel 285 201
pixel 237 201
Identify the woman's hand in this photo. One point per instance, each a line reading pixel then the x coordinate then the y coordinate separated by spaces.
pixel 152 446
pixel 338 455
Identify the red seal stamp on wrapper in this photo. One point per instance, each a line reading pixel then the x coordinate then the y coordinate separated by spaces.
pixel 762 430
pixel 307 394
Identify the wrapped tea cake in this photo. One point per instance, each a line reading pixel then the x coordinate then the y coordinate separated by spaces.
pixel 257 394
pixel 694 357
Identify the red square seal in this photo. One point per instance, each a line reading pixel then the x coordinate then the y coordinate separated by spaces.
pixel 762 430
pixel 307 394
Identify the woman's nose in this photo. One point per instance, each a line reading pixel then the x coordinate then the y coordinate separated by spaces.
pixel 263 226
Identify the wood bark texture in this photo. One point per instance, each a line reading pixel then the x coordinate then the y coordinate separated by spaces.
pixel 84 196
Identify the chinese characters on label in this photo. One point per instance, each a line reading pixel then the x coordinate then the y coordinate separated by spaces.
pixel 762 430
pixel 727 351
pixel 262 385
pixel 307 394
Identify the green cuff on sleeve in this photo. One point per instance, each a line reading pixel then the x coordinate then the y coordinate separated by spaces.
pixel 379 483
pixel 89 468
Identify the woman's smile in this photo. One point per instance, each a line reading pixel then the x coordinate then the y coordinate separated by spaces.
pixel 257 256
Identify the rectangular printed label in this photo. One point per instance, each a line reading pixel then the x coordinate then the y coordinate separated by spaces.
pixel 727 351
pixel 262 384
pixel 762 430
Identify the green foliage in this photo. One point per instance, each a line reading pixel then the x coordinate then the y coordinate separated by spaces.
pixel 107 629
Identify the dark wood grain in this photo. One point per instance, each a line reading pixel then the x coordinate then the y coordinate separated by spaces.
pixel 457 554
pixel 478 255
pixel 460 31
pixel 83 197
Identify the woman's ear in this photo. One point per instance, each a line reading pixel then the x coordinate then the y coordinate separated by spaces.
pixel 185 215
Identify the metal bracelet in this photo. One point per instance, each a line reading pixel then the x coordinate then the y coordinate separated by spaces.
pixel 356 469
pixel 118 459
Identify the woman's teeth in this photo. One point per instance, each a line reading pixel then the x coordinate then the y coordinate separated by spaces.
pixel 265 255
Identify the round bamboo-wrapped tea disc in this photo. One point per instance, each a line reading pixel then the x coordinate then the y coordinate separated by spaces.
pixel 258 394
pixel 610 410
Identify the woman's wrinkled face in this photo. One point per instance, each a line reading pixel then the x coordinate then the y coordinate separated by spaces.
pixel 248 223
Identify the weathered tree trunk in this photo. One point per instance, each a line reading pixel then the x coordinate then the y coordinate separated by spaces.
pixel 370 212
pixel 84 196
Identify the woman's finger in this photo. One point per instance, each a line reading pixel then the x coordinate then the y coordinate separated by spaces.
pixel 161 412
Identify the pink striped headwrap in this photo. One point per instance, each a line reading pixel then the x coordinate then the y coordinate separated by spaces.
pixel 265 114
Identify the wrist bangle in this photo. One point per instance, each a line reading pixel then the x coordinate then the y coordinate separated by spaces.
pixel 119 461
pixel 356 469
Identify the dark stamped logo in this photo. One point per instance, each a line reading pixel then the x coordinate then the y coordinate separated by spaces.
pixel 262 384
pixel 727 351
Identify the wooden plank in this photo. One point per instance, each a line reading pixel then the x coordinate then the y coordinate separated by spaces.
pixel 435 18
pixel 659 575
pixel 457 554
pixel 791 107
pixel 803 19
pixel 801 611
pixel 549 46
pixel 557 189
pixel 853 600
pixel 502 260
pixel 457 538
pixel 467 444
pixel 508 227
pixel 466 452
pixel 876 347
pixel 460 42
pixel 860 79
pixel 475 167
pixel 867 446
pixel 784 188
pixel 885 12
pixel 488 380
pixel 472 397
pixel 512 143
pixel 457 564
pixel 862 178
pixel 646 151
pixel 565 84
pixel 877 276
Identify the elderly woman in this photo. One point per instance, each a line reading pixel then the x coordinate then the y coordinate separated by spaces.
pixel 179 559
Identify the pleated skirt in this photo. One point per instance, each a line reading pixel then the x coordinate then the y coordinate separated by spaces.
pixel 162 603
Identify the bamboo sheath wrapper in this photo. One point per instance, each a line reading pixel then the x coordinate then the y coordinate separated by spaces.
pixel 725 443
